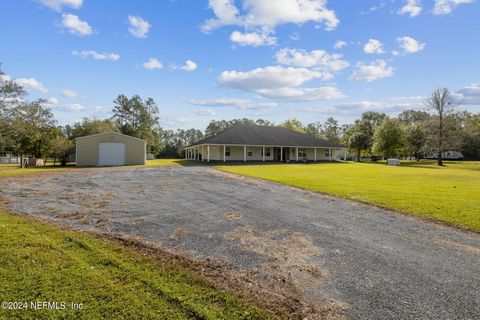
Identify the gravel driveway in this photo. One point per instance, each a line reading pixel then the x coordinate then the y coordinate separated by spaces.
pixel 367 262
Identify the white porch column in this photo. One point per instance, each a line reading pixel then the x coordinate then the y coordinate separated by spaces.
pixel 244 153
pixel 345 154
pixel 281 154
pixel 186 154
pixel 263 153
pixel 208 153
pixel 330 154
pixel 224 153
pixel 296 153
pixel 315 155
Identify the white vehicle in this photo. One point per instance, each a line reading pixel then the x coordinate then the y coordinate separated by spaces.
pixel 446 155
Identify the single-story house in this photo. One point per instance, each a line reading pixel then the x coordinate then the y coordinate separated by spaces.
pixel 110 149
pixel 264 143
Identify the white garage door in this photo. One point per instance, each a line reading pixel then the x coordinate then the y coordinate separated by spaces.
pixel 111 154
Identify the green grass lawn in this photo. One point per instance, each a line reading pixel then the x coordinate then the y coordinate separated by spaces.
pixel 10 170
pixel 450 194
pixel 167 162
pixel 39 262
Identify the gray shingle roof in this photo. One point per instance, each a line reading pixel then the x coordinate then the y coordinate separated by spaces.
pixel 254 135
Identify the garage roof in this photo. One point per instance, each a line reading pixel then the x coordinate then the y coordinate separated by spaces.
pixel 255 135
pixel 110 133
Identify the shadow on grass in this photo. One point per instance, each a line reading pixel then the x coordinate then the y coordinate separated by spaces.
pixel 191 163
pixel 432 164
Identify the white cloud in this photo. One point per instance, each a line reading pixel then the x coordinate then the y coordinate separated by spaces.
pixel 231 102
pixel 369 72
pixel 447 6
pixel 303 94
pixel 204 112
pixel 74 107
pixel 221 102
pixel 31 83
pixel 4 77
pixel 52 101
pixel 391 106
pixel 69 93
pixel 469 95
pixel 411 7
pixel 266 15
pixel 75 25
pixel 339 44
pixel 264 105
pixel 410 45
pixel 152 64
pixel 188 66
pixel 316 59
pixel 376 7
pixel 294 36
pixel 277 82
pixel 253 39
pixel 138 27
pixel 59 4
pixel 373 47
pixel 96 56
pixel 267 78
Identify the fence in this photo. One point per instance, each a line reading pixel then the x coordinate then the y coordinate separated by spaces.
pixel 9 159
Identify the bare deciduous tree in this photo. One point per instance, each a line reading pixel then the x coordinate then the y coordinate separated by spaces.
pixel 441 105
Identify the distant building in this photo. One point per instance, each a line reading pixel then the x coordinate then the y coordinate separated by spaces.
pixel 446 155
pixel 110 149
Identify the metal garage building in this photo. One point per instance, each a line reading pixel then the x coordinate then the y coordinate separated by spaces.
pixel 110 149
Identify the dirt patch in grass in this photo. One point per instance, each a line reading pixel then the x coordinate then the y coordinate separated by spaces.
pixel 458 246
pixel 290 267
pixel 233 215
pixel 102 222
pixel 95 204
pixel 177 234
pixel 276 245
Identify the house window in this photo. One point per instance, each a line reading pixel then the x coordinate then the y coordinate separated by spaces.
pixel 327 153
pixel 249 151
pixel 302 153
pixel 267 152
pixel 227 151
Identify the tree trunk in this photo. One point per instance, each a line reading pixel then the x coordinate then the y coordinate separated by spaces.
pixel 441 136
pixel 358 155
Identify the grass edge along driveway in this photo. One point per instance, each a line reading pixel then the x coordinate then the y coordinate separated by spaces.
pixel 449 194
pixel 39 262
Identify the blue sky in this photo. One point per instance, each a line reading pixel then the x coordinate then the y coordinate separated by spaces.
pixel 220 59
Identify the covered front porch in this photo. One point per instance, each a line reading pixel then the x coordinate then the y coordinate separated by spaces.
pixel 246 153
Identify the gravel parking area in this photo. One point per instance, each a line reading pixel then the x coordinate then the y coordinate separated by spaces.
pixel 362 261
